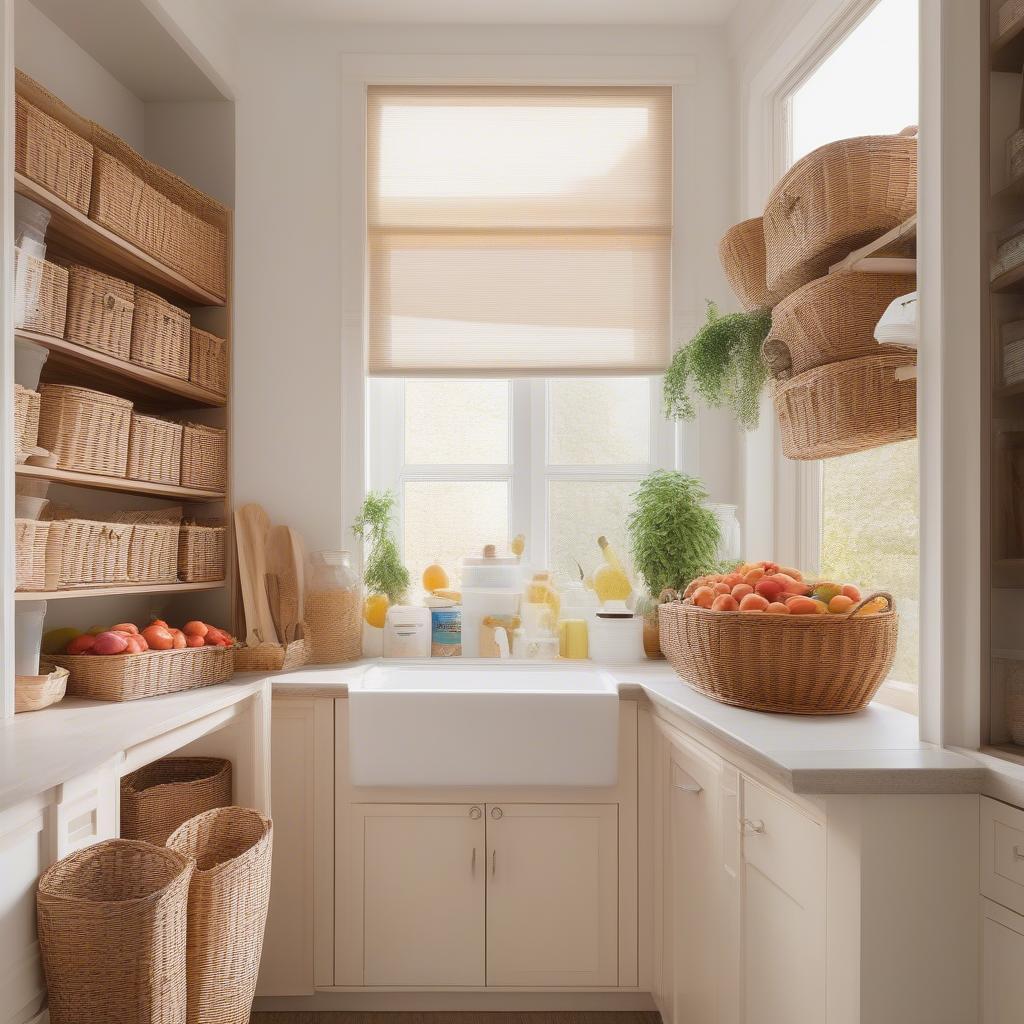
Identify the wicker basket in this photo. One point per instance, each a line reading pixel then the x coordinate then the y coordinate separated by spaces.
pixel 830 319
pixel 154 450
pixel 209 362
pixel 30 536
pixel 86 553
pixel 33 693
pixel 112 934
pixel 204 457
pixel 847 407
pixel 158 798
pixel 26 422
pixel 741 251
pixel 100 309
pixel 272 657
pixel 50 154
pixel 202 550
pixel 87 430
pixel 791 664
pixel 153 553
pixel 130 676
pixel 834 200
pixel 227 910
pixel 40 295
pixel 160 335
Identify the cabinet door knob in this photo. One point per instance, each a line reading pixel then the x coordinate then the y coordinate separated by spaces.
pixel 753 827
pixel 494 862
pixel 472 863
pixel 496 813
pixel 475 813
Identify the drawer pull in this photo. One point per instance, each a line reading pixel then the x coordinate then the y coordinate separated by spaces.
pixel 755 827
pixel 1018 853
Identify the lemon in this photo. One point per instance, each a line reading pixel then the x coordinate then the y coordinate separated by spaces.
pixel 518 545
pixel 434 578
pixel 375 609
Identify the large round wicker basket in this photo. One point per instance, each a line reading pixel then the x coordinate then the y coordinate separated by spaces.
pixel 791 664
pixel 741 251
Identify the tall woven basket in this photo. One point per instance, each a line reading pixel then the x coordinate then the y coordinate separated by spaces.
pixel 158 798
pixel 792 664
pixel 227 910
pixel 112 934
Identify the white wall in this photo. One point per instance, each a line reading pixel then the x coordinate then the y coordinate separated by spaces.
pixel 289 243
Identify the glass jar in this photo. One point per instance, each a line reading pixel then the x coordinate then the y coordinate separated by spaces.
pixel 730 545
pixel 333 608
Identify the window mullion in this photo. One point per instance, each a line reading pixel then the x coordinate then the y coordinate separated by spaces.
pixel 520 517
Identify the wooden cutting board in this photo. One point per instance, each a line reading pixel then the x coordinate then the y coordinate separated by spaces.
pixel 285 558
pixel 252 525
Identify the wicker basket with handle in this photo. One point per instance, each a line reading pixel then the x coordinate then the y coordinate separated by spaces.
pixel 40 295
pixel 209 362
pixel 113 933
pixel 26 422
pixel 87 430
pixel 154 450
pixel 741 252
pixel 160 335
pixel 100 309
pixel 86 553
pixel 834 200
pixel 202 551
pixel 164 794
pixel 791 664
pixel 227 910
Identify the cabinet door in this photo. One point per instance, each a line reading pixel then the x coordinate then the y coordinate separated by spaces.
pixel 552 895
pixel 1002 964
pixel 423 894
pixel 782 915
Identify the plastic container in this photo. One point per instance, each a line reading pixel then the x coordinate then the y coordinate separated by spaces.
pixel 477 604
pixel 28 636
pixel 30 223
pixel 730 546
pixel 490 569
pixel 29 359
pixel 616 638
pixel 333 617
pixel 445 629
pixel 407 632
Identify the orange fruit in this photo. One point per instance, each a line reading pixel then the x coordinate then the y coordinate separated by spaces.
pixel 840 604
pixel 753 603
pixel 777 608
pixel 434 578
pixel 724 603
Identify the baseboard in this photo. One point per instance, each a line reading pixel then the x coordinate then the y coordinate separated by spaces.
pixel 475 1002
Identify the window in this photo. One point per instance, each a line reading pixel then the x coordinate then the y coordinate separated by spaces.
pixel 868 502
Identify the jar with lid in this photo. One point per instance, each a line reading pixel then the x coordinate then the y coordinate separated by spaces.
pixel 332 608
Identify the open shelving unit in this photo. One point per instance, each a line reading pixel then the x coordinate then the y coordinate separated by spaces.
pixel 97 481
pixel 127 590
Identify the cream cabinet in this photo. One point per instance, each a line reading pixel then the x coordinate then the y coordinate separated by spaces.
pixel 1002 972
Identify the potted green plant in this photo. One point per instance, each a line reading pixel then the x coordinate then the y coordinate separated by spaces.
pixel 723 364
pixel 384 576
pixel 674 539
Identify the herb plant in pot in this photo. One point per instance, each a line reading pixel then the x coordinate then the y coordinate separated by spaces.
pixel 674 539
pixel 385 578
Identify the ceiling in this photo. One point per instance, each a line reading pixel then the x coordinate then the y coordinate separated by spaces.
pixel 490 12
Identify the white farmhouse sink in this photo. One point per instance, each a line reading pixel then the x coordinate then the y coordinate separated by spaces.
pixel 483 724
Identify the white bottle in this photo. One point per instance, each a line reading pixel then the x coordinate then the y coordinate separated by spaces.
pixel 407 632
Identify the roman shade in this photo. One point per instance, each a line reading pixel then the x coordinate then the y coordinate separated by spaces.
pixel 517 231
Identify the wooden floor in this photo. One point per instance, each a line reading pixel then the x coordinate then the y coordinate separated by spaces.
pixel 336 1017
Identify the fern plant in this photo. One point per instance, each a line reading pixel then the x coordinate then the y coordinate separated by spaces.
pixel 383 572
pixel 722 364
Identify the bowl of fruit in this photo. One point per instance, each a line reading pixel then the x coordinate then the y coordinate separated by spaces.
pixel 763 637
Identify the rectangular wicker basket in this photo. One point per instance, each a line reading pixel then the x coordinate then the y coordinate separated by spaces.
pixel 131 676
pixel 30 536
pixel 87 430
pixel 26 422
pixel 209 362
pixel 204 457
pixel 100 309
pixel 86 553
pixel 153 553
pixel 202 552
pixel 154 450
pixel 160 335
pixel 40 295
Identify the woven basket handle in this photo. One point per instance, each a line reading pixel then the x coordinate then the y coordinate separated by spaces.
pixel 864 600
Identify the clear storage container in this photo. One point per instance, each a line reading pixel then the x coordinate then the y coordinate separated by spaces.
pixel 332 605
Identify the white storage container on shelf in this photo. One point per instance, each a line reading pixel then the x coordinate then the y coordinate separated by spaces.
pixel 491 585
pixel 30 223
pixel 29 359
pixel 28 636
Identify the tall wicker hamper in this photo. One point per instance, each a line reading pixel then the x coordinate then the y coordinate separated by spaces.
pixel 154 450
pixel 100 309
pixel 227 910
pixel 204 457
pixel 160 335
pixel 87 430
pixel 158 798
pixel 113 933
pixel 40 295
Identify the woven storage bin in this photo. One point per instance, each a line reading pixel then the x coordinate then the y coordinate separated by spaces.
pixel 33 693
pixel 834 200
pixel 209 362
pixel 272 657
pixel 26 422
pixel 112 934
pixel 158 798
pixel 130 676
pixel 741 251
pixel 159 212
pixel 204 457
pixel 791 664
pixel 227 910
pixel 202 551
pixel 87 430
pixel 160 335
pixel 30 536
pixel 86 553
pixel 100 309
pixel 52 155
pixel 154 450
pixel 40 295
pixel 830 319
pixel 153 553
pixel 847 407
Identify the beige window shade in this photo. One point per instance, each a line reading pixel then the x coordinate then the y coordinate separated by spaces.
pixel 519 230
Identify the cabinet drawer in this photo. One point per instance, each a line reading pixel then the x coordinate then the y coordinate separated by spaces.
pixel 1002 854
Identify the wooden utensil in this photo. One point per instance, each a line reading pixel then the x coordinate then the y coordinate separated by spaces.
pixel 285 561
pixel 251 528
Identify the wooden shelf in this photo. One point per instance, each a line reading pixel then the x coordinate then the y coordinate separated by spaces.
pixel 69 363
pixel 1008 49
pixel 115 483
pixel 72 234
pixel 116 591
pixel 898 243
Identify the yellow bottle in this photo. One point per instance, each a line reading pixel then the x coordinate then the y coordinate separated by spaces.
pixel 611 583
pixel 540 590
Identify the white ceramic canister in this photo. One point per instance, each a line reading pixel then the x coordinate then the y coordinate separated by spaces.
pixel 616 638
pixel 407 632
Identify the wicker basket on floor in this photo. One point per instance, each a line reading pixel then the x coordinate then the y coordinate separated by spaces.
pixel 741 252
pixel 160 335
pixel 791 664
pixel 154 450
pixel 831 318
pixel 833 200
pixel 202 550
pixel 51 154
pixel 849 406
pixel 30 536
pixel 40 295
pixel 113 933
pixel 86 553
pixel 87 430
pixel 26 422
pixel 227 910
pixel 100 309
pixel 209 362
pixel 158 798
pixel 204 457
